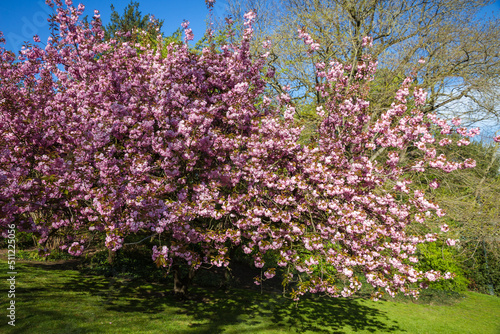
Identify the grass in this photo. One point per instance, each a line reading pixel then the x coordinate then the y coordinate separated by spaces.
pixel 53 299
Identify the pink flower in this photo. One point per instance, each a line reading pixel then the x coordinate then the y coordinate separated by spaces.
pixel 249 17
pixel 420 96
pixel 470 163
pixel 189 35
pixel 456 121
pixel 434 184
pixel 445 228
pixel 75 249
pixel 367 41
pixel 451 242
pixel 313 46
pixel 445 141
pixel 348 272
pixel 431 276
pixel 474 132
pixel 270 273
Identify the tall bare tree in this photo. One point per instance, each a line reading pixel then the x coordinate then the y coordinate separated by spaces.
pixel 460 47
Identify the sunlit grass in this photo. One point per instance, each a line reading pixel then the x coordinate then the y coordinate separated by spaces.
pixel 51 299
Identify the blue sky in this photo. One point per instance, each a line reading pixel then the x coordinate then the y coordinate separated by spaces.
pixel 21 19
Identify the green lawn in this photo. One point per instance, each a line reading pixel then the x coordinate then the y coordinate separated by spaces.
pixel 50 299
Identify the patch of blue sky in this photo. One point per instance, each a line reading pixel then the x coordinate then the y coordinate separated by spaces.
pixel 21 20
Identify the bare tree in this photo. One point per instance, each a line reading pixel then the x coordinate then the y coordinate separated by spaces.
pixel 460 48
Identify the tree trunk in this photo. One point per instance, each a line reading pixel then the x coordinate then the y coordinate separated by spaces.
pixel 182 282
pixel 111 257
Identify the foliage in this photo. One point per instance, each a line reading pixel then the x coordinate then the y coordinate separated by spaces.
pixel 125 27
pixel 33 255
pixel 101 140
pixel 141 31
pixel 471 201
pixel 130 262
pixel 437 256
pixel 483 271
pixel 23 241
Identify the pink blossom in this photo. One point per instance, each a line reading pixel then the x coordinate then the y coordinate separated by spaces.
pixel 431 276
pixel 451 242
pixel 189 35
pixel 308 40
pixel 445 141
pixel 348 272
pixel 469 163
pixel 270 273
pixel 456 121
pixel 367 41
pixel 249 17
pixel 75 249
pixel 420 96
pixel 445 228
pixel 434 184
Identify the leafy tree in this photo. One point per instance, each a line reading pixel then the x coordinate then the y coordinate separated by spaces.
pixel 437 256
pixel 189 150
pixel 483 271
pixel 127 26
pixel 471 200
pixel 457 43
pixel 131 26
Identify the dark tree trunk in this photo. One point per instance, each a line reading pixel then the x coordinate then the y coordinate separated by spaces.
pixel 182 282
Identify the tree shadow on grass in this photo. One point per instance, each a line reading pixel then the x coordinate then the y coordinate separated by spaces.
pixel 313 314
pixel 32 320
pixel 212 310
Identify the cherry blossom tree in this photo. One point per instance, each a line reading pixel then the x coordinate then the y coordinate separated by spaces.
pixel 108 138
